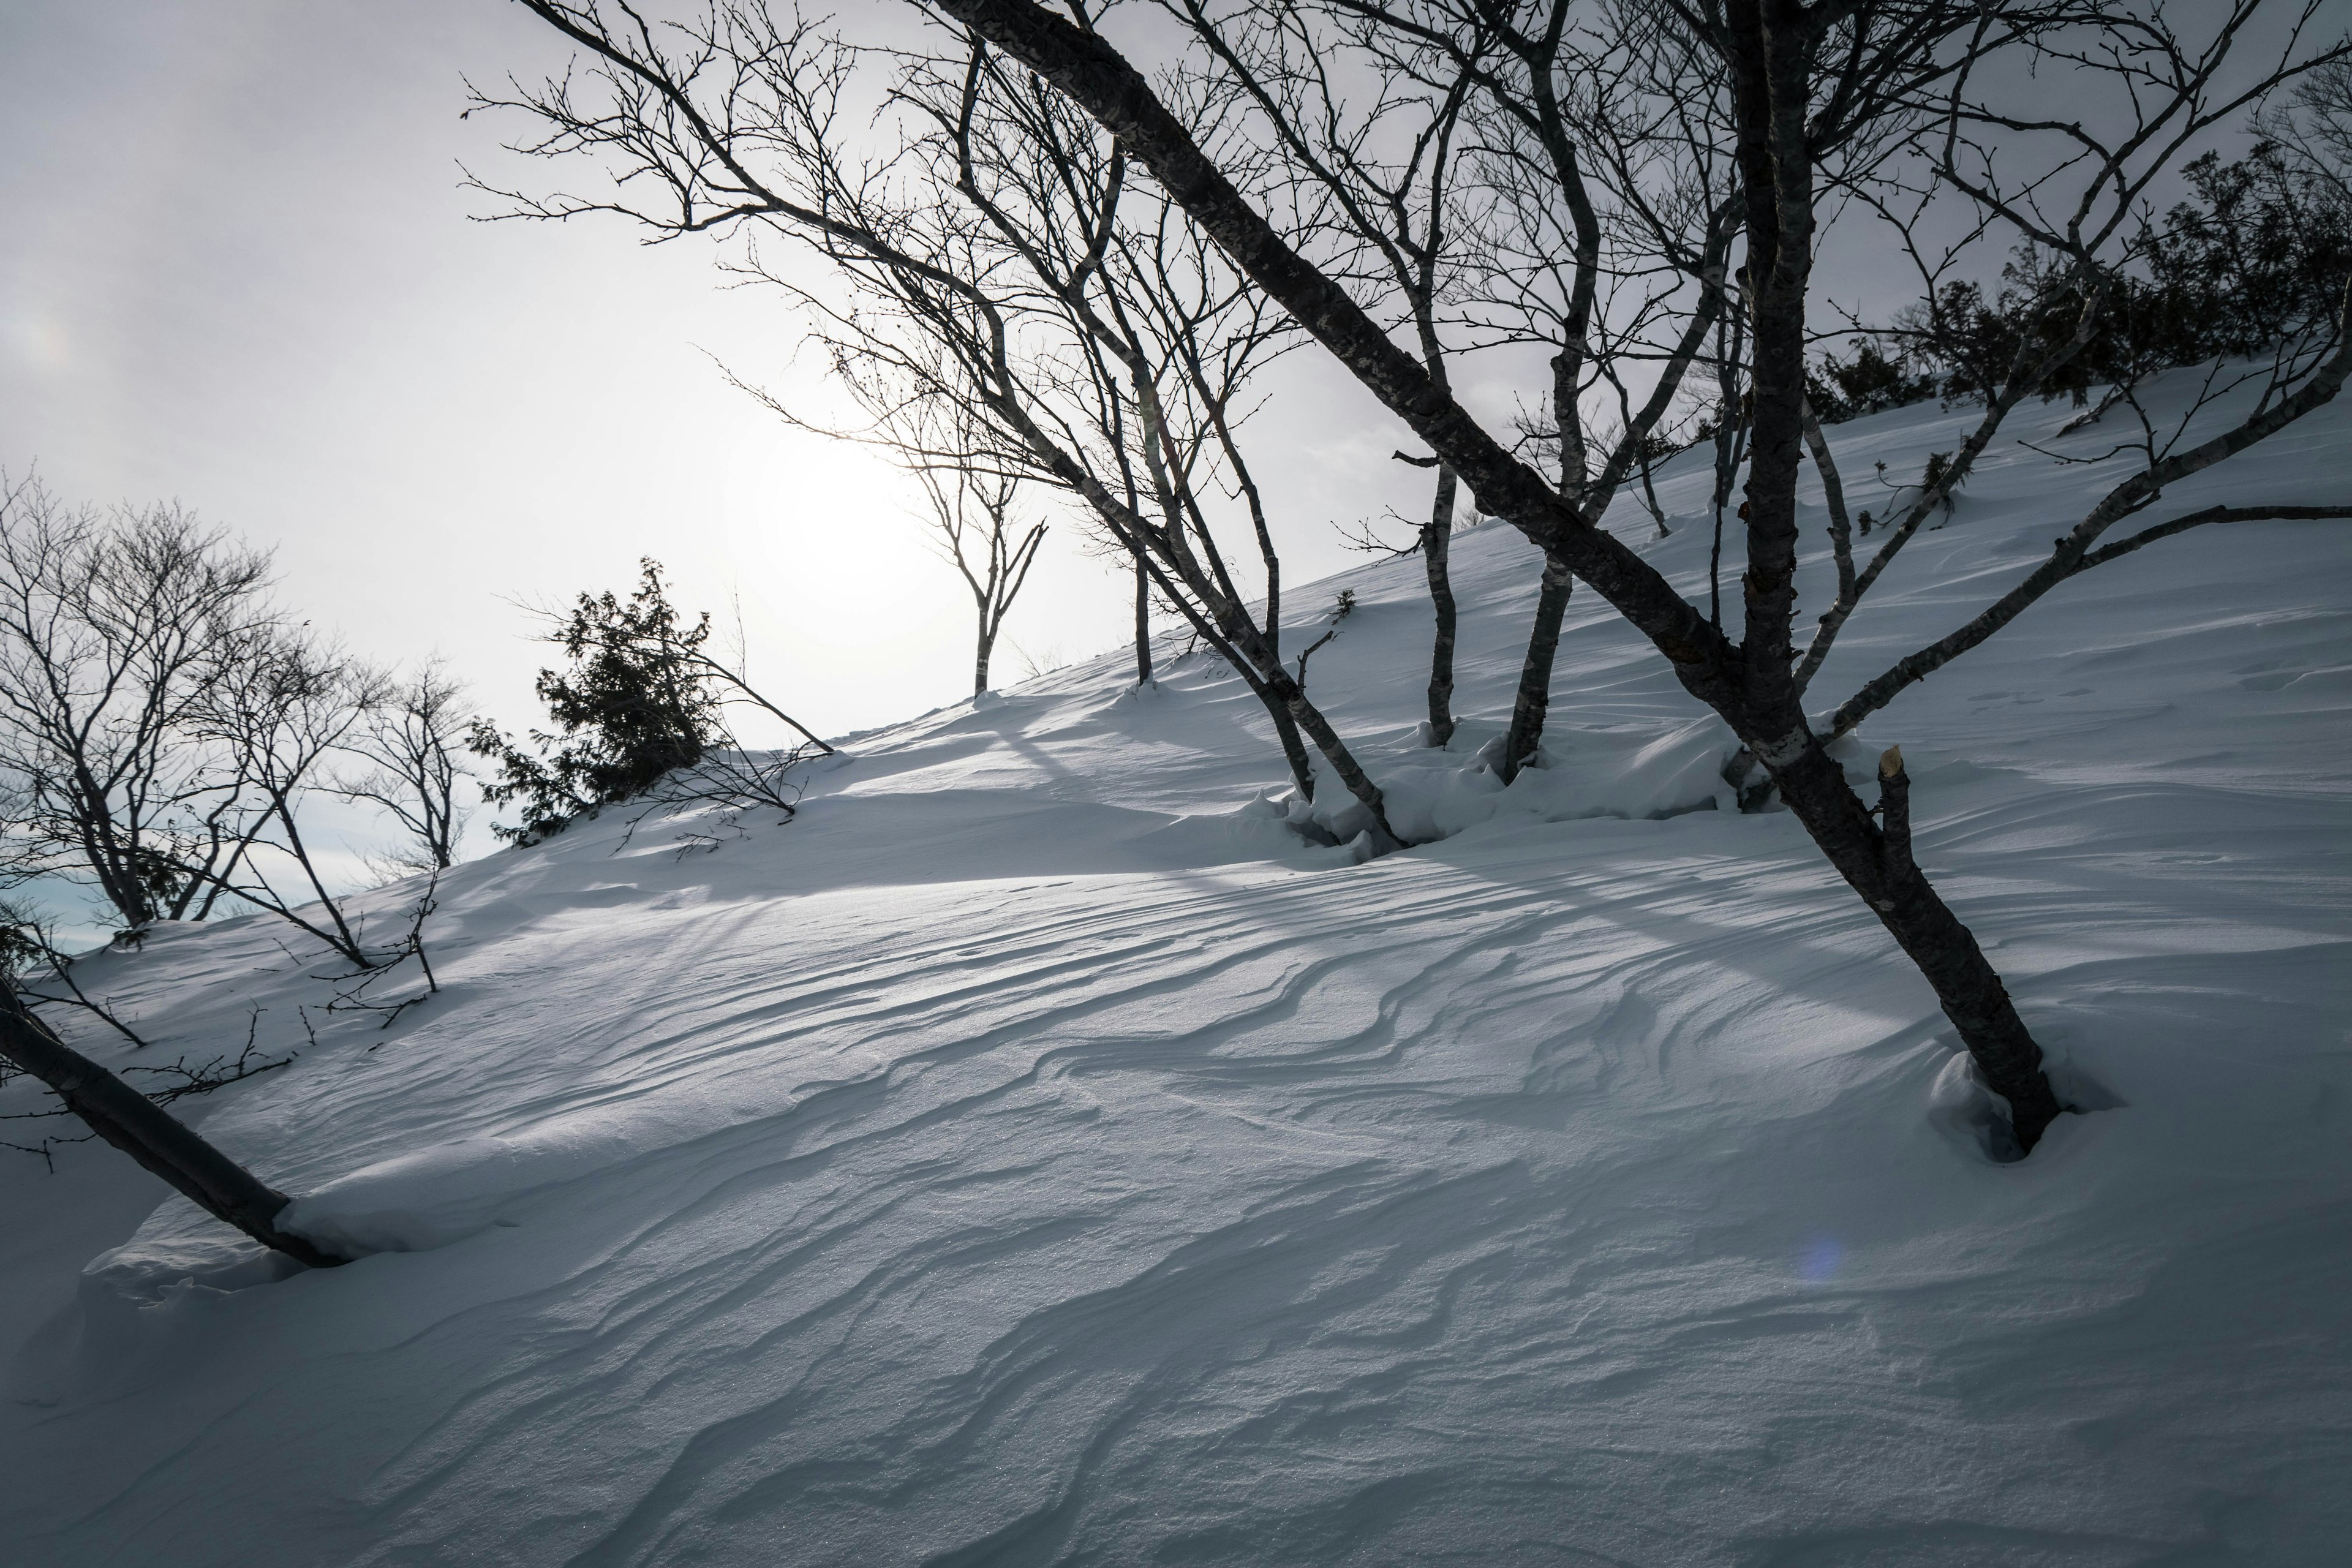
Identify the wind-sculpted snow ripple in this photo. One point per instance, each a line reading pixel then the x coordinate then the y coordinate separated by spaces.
pixel 1034 1155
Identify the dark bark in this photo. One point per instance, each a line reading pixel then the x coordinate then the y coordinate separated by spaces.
pixel 1294 749
pixel 1534 700
pixel 1768 53
pixel 1094 75
pixel 1343 762
pixel 1968 988
pixel 150 1134
pixel 1142 625
pixel 1769 79
pixel 1436 550
pixel 1752 689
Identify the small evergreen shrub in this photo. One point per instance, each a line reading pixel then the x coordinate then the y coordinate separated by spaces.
pixel 635 699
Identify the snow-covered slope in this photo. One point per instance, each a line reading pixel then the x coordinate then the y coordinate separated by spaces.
pixel 1037 1153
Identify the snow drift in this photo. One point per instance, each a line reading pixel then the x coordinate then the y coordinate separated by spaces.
pixel 1040 1152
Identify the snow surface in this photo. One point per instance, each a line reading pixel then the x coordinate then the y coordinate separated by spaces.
pixel 1037 1151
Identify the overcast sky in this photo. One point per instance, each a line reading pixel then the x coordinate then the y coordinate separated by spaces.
pixel 237 269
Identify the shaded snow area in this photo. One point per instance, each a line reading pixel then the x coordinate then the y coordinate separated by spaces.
pixel 1041 1151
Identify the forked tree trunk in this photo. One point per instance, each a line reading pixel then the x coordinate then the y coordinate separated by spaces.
pixel 1343 762
pixel 1534 700
pixel 1750 687
pixel 1768 53
pixel 1436 548
pixel 150 1134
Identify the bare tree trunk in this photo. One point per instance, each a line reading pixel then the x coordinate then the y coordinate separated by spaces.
pixel 1436 548
pixel 1294 749
pixel 150 1134
pixel 1728 333
pixel 1650 500
pixel 1877 864
pixel 979 663
pixel 1142 623
pixel 1535 674
pixel 1841 542
pixel 1343 762
pixel 1771 72
pixel 1833 498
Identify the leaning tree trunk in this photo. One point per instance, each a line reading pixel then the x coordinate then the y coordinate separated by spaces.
pixel 1876 862
pixel 1769 61
pixel 1535 674
pixel 1757 699
pixel 1343 762
pixel 150 1134
pixel 1436 546
pixel 1294 749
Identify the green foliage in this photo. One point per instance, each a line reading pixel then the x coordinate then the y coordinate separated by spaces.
pixel 637 700
pixel 22 949
pixel 2260 252
pixel 1870 383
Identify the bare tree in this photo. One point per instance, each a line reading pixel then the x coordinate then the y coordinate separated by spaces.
pixel 1100 337
pixel 1606 238
pixel 278 709
pixel 409 749
pixel 1399 205
pixel 1559 188
pixel 2313 120
pixel 1805 80
pixel 113 628
pixel 971 521
pixel 2071 195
